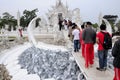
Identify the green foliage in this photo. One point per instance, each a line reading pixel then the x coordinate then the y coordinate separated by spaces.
pixel 9 20
pixel 27 17
pixel 95 25
pixel 7 16
pixel 37 21
pixel 111 18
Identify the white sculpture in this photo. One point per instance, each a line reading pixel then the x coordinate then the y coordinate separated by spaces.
pixel 19 29
pixel 30 28
pixel 109 28
pixel 59 11
pixel 76 16
pixel 64 12
pixel 59 8
pixel 18 19
pixel 42 26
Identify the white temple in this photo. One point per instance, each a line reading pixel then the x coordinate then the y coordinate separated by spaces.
pixel 40 37
pixel 61 11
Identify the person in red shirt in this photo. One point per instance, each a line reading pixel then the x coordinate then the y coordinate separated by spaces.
pixel 102 53
pixel 20 31
pixel 81 41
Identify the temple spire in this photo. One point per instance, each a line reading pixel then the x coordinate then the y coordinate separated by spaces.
pixel 66 4
pixel 58 2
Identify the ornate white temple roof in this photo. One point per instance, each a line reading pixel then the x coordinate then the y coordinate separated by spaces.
pixel 62 8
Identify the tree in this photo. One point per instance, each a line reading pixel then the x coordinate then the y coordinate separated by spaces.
pixel 9 20
pixel 27 17
pixel 95 25
pixel 13 23
pixel 7 16
pixel 111 18
pixel 2 22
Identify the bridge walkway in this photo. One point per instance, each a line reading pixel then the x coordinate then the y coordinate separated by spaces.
pixel 91 73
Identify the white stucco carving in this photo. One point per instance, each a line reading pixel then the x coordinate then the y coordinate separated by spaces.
pixel 109 28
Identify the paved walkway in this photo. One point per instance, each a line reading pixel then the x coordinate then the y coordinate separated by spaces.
pixel 91 73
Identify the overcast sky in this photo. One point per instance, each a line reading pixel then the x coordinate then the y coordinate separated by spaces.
pixel 89 9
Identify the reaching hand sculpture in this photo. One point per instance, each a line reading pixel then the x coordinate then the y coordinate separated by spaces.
pixel 30 28
pixel 109 28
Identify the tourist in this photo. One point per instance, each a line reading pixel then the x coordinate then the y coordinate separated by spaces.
pixel 76 38
pixel 89 37
pixel 102 52
pixel 65 24
pixel 116 61
pixel 60 24
pixel 20 31
pixel 69 24
pixel 81 40
pixel 77 27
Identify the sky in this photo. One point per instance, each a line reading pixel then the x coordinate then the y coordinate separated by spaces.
pixel 89 9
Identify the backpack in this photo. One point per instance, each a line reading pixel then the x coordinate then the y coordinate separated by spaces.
pixel 107 44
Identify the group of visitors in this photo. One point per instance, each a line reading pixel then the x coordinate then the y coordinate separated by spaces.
pixel 67 25
pixel 63 24
pixel 86 37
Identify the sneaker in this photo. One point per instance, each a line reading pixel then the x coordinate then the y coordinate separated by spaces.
pixel 77 50
pixel 99 69
pixel 74 50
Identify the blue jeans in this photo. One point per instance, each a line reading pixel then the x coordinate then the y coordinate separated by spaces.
pixel 102 55
pixel 76 45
